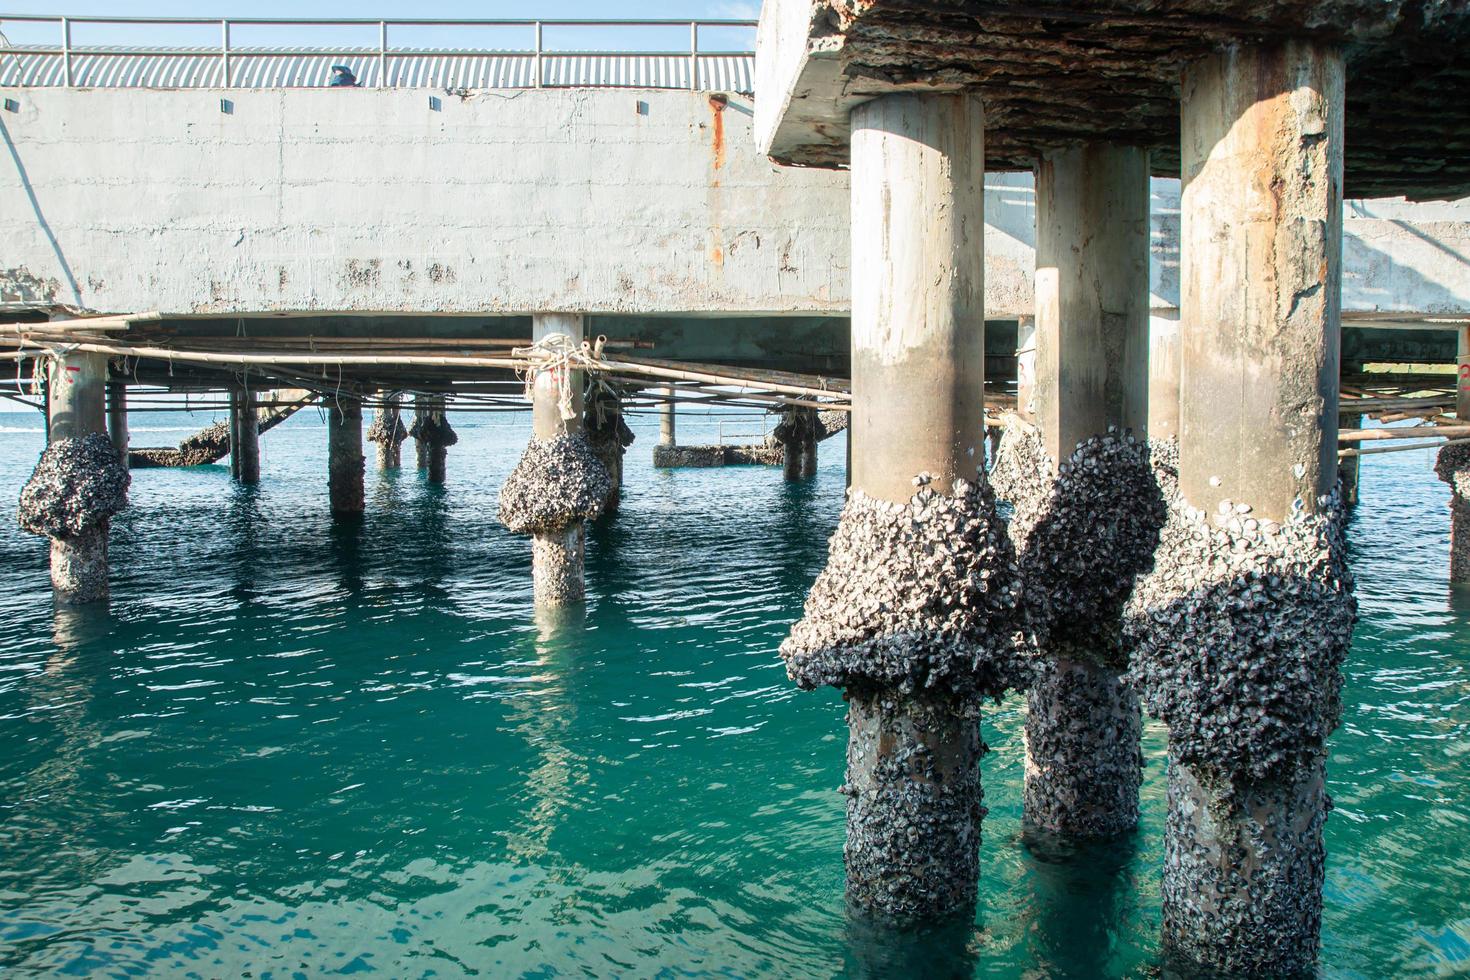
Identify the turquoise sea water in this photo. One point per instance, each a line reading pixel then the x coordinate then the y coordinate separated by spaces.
pixel 294 748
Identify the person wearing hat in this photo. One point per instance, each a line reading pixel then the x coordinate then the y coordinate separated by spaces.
pixel 342 77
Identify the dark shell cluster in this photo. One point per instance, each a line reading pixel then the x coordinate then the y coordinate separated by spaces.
pixel 922 595
pixel 77 485
pixel 387 428
pixel 1452 465
pixel 557 482
pixel 914 804
pixel 1242 890
pixel 1239 634
pixel 1081 537
pixel 1083 762
pixel 1164 455
pixel 433 429
pixel 798 426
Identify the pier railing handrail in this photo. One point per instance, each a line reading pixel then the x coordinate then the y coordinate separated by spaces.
pixel 537 51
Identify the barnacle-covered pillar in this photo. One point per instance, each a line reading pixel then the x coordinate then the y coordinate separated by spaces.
pixel 244 437
pixel 609 437
pixel 421 451
pixel 344 453
pixel 797 434
pixel 913 615
pixel 117 418
pixel 1087 507
pixel 79 482
pixel 559 483
pixel 1248 613
pixel 433 435
pixel 387 432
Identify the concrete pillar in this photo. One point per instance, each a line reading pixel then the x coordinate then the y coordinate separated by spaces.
pixel 1026 367
pixel 1250 697
pixel 1454 467
pixel 344 453
pixel 385 433
pixel 420 446
pixel 557 556
pixel 244 437
pixel 76 408
pixel 918 362
pixel 1348 470
pixel 117 418
pixel 797 433
pixel 666 434
pixel 1082 541
pixel 609 437
pixel 437 452
pixel 1164 362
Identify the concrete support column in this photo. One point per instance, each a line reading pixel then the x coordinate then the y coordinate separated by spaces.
pixel 1164 363
pixel 1081 541
pixel 666 433
pixel 244 437
pixel 1348 470
pixel 76 408
pixel 797 433
pixel 344 453
pixel 919 530
pixel 420 445
pixel 436 460
pixel 609 437
pixel 1258 527
pixel 387 433
pixel 1453 467
pixel 117 418
pixel 558 567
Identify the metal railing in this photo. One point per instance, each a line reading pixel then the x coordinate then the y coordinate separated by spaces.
pixel 740 428
pixel 536 52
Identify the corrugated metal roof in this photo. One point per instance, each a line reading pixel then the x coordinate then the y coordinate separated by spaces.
pixel 312 68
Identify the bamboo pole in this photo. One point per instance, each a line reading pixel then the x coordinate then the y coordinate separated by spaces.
pixel 1411 432
pixel 1374 450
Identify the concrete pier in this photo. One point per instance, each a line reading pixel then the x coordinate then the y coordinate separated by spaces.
pixel 244 437
pixel 388 432
pixel 559 483
pixel 117 418
pixel 667 436
pixel 899 608
pixel 1163 377
pixel 432 435
pixel 609 437
pixel 79 482
pixel 344 453
pixel 1249 612
pixel 1453 466
pixel 797 433
pixel 1087 508
pixel 420 446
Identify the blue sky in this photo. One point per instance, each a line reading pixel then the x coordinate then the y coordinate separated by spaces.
pixel 468 9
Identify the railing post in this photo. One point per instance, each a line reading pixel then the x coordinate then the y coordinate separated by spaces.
pixel 66 49
pixel 537 82
pixel 694 56
pixel 382 54
pixel 224 51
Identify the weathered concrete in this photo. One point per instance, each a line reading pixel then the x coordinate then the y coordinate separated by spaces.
pixel 168 204
pixel 160 201
pixel 117 418
pixel 244 437
pixel 1262 217
pixel 432 436
pixel 421 448
pixel 1452 465
pixel 344 453
pixel 1092 211
pixel 914 212
pixel 1251 595
pixel 667 421
pixel 1164 362
pixel 1349 472
pixel 1069 73
pixel 699 457
pixel 899 617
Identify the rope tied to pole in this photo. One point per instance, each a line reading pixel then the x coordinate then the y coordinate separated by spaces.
pixel 557 355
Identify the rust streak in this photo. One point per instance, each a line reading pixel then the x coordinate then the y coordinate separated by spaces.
pixel 717 140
